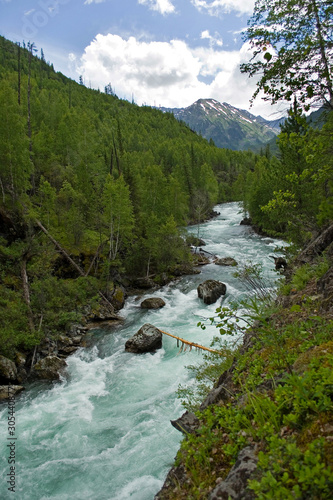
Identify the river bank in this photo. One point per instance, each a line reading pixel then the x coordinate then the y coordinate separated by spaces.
pixel 47 360
pixel 103 430
pixel 266 428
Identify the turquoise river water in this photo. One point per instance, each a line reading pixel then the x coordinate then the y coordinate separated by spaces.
pixel 103 432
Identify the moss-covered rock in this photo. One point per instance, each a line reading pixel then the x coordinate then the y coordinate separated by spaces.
pixel 8 370
pixel 319 352
pixel 10 391
pixel 118 298
pixel 49 368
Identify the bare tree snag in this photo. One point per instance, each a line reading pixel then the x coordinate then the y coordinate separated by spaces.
pixel 59 247
pixel 71 261
pixel 26 291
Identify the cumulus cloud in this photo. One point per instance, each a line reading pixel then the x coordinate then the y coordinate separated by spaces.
pixel 169 74
pixel 162 6
pixel 218 7
pixel 87 2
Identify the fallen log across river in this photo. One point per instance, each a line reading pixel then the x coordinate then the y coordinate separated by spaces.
pixel 189 343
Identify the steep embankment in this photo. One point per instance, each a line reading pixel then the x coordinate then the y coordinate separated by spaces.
pixel 266 429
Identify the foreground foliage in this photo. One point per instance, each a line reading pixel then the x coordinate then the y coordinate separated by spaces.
pixel 280 402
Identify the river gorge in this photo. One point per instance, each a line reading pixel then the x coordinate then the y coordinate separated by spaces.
pixel 103 432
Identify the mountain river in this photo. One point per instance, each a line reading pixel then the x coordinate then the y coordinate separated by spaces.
pixel 103 432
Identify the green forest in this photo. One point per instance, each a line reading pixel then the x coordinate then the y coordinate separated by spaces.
pixel 92 188
pixel 95 188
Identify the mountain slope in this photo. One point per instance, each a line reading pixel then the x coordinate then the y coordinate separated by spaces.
pixel 91 187
pixel 227 126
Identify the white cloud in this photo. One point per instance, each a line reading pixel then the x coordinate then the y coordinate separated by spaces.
pixel 205 34
pixel 161 6
pixel 87 2
pixel 169 74
pixel 213 40
pixel 218 7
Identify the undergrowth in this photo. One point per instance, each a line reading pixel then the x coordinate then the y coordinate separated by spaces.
pixel 281 404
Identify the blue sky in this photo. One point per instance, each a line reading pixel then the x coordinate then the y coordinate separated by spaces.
pixel 159 52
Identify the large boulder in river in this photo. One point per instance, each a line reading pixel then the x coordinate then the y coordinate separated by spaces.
pixel 226 261
pixel 8 370
pixel 48 368
pixel 147 339
pixel 211 290
pixel 152 303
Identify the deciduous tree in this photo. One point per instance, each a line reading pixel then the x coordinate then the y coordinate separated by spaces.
pixel 292 42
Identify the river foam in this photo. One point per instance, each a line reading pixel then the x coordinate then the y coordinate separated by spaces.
pixel 103 432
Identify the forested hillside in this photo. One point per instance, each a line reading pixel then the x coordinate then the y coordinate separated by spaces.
pixel 92 187
pixel 291 195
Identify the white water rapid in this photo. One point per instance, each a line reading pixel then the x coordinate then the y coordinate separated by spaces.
pixel 104 431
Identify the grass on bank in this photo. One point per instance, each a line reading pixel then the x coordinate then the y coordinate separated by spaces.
pixel 281 402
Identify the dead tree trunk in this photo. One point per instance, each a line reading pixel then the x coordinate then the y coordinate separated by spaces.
pixel 72 262
pixel 68 257
pixel 26 291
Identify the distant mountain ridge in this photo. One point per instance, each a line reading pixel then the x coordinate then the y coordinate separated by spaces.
pixel 227 126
